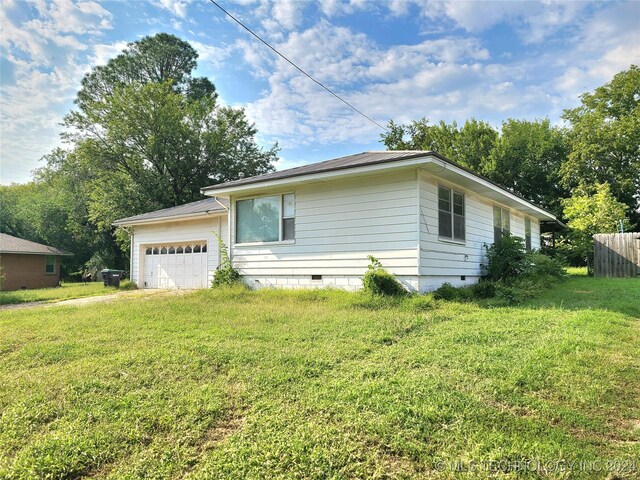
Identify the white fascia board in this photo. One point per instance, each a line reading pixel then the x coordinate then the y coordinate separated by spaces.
pixel 175 218
pixel 346 172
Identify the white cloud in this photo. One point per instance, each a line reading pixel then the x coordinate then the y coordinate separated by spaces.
pixel 47 67
pixel 176 7
pixel 288 13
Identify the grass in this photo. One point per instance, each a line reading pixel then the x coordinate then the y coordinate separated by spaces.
pixel 66 291
pixel 322 384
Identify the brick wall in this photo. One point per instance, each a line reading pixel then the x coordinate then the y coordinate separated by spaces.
pixel 27 271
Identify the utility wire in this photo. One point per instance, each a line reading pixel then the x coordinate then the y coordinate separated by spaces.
pixel 297 67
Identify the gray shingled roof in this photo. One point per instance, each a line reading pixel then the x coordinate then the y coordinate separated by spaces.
pixel 350 161
pixel 11 244
pixel 201 206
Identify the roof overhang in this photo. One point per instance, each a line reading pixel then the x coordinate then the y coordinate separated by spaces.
pixel 341 173
pixel 47 254
pixel 464 178
pixel 430 163
pixel 173 218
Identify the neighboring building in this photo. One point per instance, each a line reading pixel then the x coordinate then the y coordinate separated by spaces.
pixel 28 264
pixel 425 217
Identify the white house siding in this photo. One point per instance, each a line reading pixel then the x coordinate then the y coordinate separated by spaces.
pixel 175 232
pixel 337 225
pixel 445 261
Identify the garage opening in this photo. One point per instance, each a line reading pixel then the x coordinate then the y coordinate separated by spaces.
pixel 181 265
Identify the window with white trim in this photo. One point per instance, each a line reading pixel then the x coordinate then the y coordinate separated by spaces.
pixel 50 264
pixel 501 222
pixel 527 233
pixel 265 219
pixel 451 214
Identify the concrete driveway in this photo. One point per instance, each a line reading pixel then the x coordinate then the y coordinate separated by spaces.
pixel 96 299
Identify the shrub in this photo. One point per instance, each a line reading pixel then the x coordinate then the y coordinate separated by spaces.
pixel 380 282
pixel 484 289
pixel 225 275
pixel 446 291
pixel 506 259
pixel 545 266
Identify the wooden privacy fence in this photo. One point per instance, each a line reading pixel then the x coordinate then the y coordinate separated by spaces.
pixel 616 254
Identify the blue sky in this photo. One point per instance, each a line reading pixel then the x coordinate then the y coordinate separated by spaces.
pixel 399 59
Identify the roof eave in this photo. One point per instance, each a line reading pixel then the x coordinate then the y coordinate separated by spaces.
pixel 54 254
pixel 371 167
pixel 174 218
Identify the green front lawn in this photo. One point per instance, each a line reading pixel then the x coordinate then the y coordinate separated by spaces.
pixel 65 292
pixel 323 384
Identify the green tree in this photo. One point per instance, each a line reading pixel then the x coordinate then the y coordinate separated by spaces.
pixel 589 211
pixel 145 134
pixel 470 146
pixel 605 140
pixel 527 159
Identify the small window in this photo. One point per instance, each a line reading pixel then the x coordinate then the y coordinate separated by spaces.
pixel 172 250
pixel 288 216
pixel 179 250
pixel 316 277
pixel 148 251
pixel 501 223
pixel 451 214
pixel 50 264
pixel 156 251
pixel 196 249
pixel 188 249
pixel 163 251
pixel 204 248
pixel 527 233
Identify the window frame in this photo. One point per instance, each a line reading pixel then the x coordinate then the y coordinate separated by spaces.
pixel 503 210
pixel 46 264
pixel 281 219
pixel 452 215
pixel 527 235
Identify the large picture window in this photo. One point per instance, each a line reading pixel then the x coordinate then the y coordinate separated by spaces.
pixel 265 219
pixel 451 214
pixel 501 223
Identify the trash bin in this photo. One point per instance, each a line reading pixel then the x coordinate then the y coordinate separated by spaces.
pixel 111 278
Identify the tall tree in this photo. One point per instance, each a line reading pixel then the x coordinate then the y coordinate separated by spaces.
pixel 605 140
pixel 147 134
pixel 144 123
pixel 469 146
pixel 527 159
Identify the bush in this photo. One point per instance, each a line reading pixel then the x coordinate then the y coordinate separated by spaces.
pixel 380 282
pixel 484 289
pixel 506 259
pixel 446 291
pixel 545 266
pixel 226 275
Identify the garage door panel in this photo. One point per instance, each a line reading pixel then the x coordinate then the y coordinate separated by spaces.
pixel 166 267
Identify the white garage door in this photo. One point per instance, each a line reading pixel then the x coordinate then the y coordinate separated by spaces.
pixel 176 266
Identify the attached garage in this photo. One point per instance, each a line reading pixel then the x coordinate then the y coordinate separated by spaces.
pixel 182 265
pixel 177 247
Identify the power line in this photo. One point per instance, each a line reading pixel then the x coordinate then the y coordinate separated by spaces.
pixel 297 67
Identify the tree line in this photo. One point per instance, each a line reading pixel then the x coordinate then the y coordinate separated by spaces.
pixel 146 133
pixel 586 171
